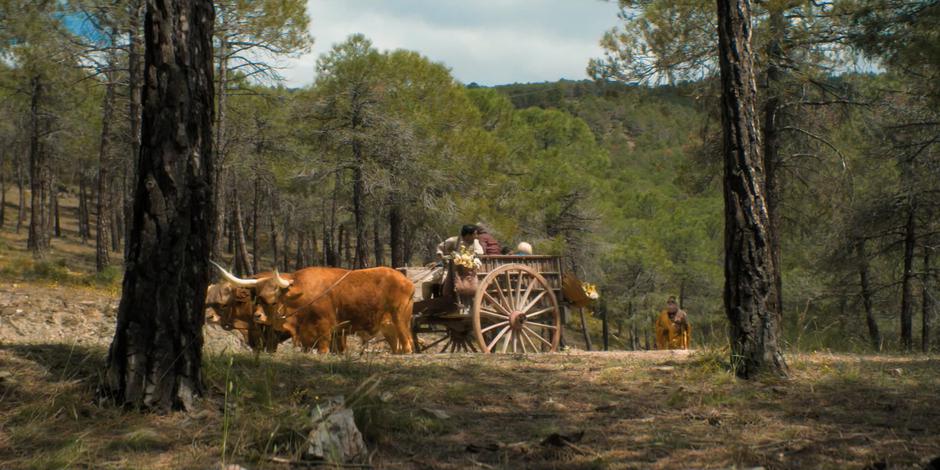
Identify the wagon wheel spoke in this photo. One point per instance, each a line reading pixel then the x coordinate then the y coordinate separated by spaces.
pixel 538 336
pixel 494 325
pixel 519 289
pixel 506 343
pixel 539 312
pixel 495 303
pixel 434 343
pixel 522 343
pixel 493 313
pixel 533 302
pixel 472 345
pixel 502 332
pixel 509 290
pixel 502 295
pixel 532 343
pixel 524 297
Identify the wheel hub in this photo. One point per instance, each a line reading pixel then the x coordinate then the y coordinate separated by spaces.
pixel 517 320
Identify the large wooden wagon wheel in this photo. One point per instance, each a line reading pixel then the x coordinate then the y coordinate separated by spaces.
pixel 515 310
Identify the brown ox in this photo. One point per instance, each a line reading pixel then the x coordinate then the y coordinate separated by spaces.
pixel 232 308
pixel 314 304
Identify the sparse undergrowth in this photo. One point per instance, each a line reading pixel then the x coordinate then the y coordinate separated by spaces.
pixel 649 410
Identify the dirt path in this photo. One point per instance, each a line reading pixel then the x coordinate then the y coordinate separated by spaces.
pixel 35 313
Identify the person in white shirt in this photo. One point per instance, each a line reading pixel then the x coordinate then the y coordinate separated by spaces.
pixel 468 237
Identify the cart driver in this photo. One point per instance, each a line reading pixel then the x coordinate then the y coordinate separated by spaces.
pixel 447 249
pixel 469 236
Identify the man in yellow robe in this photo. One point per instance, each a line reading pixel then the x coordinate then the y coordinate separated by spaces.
pixel 672 327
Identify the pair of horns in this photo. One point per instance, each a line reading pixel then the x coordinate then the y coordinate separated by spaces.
pixel 248 283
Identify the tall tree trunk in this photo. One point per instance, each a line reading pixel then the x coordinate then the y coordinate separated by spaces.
pixel 3 189
pixel 134 82
pixel 907 284
pixel 340 238
pixel 377 244
pixel 155 358
pixel 874 334
pixel 286 246
pixel 749 293
pixel 359 261
pixel 584 329
pixel 222 53
pixel 82 208
pixel 299 261
pixel 255 208
pixel 102 238
pixel 38 241
pixel 116 222
pixel 771 143
pixel 395 235
pixel 241 245
pixel 927 305
pixel 57 224
pixel 328 257
pixel 408 242
pixel 273 236
pixel 21 191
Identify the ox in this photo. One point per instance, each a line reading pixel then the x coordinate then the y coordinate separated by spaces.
pixel 232 308
pixel 314 303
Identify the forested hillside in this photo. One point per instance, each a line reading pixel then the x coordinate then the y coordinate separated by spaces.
pixel 386 154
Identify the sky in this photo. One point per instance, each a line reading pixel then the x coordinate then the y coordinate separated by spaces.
pixel 489 42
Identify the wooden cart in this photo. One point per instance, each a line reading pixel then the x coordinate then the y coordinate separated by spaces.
pixel 516 308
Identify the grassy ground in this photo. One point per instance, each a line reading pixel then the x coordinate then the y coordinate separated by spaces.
pixel 636 410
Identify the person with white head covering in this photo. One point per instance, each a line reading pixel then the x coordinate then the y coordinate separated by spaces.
pixel 523 249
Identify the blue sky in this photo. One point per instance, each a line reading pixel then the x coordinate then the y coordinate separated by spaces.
pixel 485 41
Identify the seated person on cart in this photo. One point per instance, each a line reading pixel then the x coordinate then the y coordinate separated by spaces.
pixel 469 235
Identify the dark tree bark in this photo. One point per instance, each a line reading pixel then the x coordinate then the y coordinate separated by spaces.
pixel 299 252
pixel 749 293
pixel 377 244
pixel 242 258
pixel 116 222
pixel 771 143
pixel 928 302
pixel 329 256
pixel 359 261
pixel 102 238
pixel 255 208
pixel 907 284
pixel 286 262
pixel 395 236
pixel 38 240
pixel 874 334
pixel 273 234
pixel 312 255
pixel 57 230
pixel 155 358
pixel 21 190
pixel 219 194
pixel 3 189
pixel 134 48
pixel 83 222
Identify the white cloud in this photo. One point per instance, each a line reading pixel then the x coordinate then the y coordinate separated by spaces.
pixel 485 41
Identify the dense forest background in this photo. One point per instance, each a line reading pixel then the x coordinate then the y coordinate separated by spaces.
pixel 386 154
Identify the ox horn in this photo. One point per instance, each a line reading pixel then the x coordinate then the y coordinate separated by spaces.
pixel 233 279
pixel 281 282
